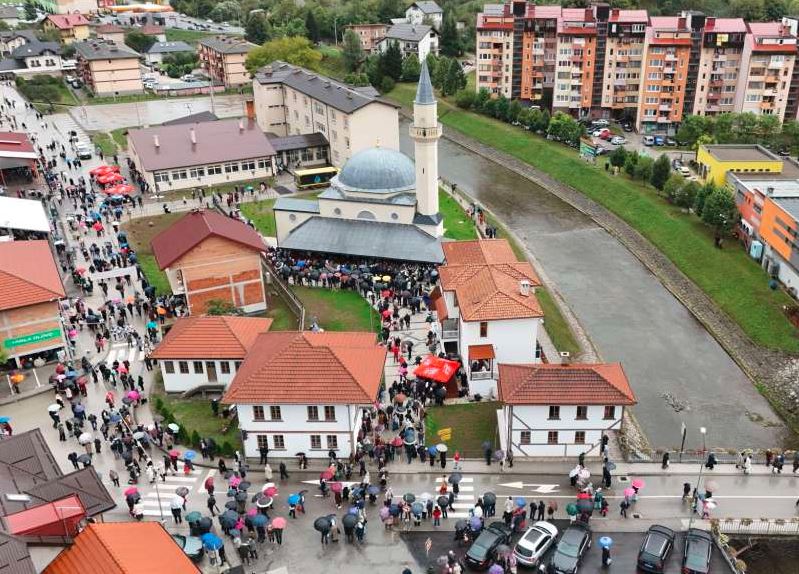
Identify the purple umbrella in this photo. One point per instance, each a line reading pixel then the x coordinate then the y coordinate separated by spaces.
pixel 496 569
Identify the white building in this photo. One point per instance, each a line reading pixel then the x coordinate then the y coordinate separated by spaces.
pixel 419 39
pixel 306 392
pixel 207 350
pixel 487 309
pixel 34 58
pixel 428 10
pixel 290 100
pixel 155 53
pixel 381 205
pixel 560 410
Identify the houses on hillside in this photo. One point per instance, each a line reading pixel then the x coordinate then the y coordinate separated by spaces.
pixel 223 57
pixel 70 27
pixel 418 39
pixel 424 12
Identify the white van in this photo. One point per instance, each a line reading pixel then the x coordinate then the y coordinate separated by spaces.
pixel 649 140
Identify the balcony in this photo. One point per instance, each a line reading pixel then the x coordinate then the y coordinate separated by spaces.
pixel 671 57
pixel 425 133
pixel 664 108
pixel 483 375
pixel 668 70
pixel 664 120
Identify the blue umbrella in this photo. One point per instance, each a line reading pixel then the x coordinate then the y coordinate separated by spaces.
pixel 432 450
pixel 5 419
pixel 606 542
pixel 520 502
pixel 79 408
pixel 211 541
pixel 115 418
pixel 189 455
pixel 151 325
pixel 353 510
pixel 476 523
pixel 373 489
pixel 259 520
pixel 293 499
pixel 234 533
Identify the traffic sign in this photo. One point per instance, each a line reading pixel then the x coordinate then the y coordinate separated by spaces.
pixel 540 488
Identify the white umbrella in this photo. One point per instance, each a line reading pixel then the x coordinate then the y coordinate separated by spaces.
pixel 54 408
pixel 584 474
pixel 573 472
pixel 477 511
pixel 441 447
pixel 173 427
pixel 177 502
pixel 710 504
pixel 85 438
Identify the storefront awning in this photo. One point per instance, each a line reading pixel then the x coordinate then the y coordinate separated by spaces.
pixel 437 369
pixel 479 352
pixel 58 518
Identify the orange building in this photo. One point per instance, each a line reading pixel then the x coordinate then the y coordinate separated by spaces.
pixel 207 255
pixel 574 66
pixel 719 66
pixel 667 51
pixel 369 35
pixel 624 52
pixel 30 288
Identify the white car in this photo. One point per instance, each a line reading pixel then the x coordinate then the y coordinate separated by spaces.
pixel 83 151
pixel 601 123
pixel 684 171
pixel 618 140
pixel 535 543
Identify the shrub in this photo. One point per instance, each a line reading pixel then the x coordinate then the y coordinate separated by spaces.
pixel 387 84
pixel 195 438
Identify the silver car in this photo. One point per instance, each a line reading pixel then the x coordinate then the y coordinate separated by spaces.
pixel 535 542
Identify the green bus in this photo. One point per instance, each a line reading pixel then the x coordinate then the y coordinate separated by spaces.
pixel 316 177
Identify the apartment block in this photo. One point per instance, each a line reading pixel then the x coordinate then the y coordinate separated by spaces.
pixel 719 66
pixel 108 69
pixel 494 50
pixel 574 67
pixel 369 35
pixel 223 58
pixel 624 53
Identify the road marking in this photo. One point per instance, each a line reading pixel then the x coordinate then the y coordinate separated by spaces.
pixel 211 473
pixel 542 488
pixel 667 496
pixel 464 479
pixel 132 354
pixel 181 479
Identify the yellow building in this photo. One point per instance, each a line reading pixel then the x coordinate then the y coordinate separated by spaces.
pixel 70 27
pixel 715 161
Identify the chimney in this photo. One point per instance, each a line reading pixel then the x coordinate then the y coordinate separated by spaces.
pixel 156 143
pixel 193 136
pixel 524 287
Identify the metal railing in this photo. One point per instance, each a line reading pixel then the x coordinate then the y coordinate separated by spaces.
pixel 483 375
pixel 759 526
pixel 272 278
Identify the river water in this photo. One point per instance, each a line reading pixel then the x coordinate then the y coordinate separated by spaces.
pixel 677 370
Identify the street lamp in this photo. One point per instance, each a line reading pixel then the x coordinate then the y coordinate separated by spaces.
pixel 695 496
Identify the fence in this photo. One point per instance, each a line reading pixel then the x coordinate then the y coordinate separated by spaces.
pixel 272 278
pixel 759 526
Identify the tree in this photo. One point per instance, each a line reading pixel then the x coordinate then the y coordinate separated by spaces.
pixel 441 70
pixel 258 29
pixel 387 84
pixel 564 128
pixel 686 194
pixel 357 79
pixel 30 10
pixel 352 52
pixel 138 41
pixel 750 10
pixel 180 63
pixel 720 212
pixel 691 128
pixel 449 43
pixel 672 187
pixel 617 157
pixel 411 68
pixel 293 27
pixel 660 172
pixel 388 9
pixel 483 96
pixel 221 307
pixel 225 11
pixel 775 9
pixel 465 99
pixel 454 80
pixel 374 70
pixel 514 111
pixel 313 27
pixel 391 62
pixel 630 163
pixel 294 50
pixel 643 168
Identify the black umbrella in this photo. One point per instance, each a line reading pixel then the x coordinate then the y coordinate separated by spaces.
pixel 244 485
pixel 134 498
pixel 455 478
pixel 322 524
pixel 182 491
pixel 461 524
pixel 204 524
pixel 349 521
pixel 490 498
pixel 443 501
pixel 585 505
pixel 241 497
pixel 409 497
pixel 231 505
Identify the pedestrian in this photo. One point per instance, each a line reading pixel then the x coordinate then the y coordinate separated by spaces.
pixel 73 458
pixel 211 504
pixel 625 504
pixel 114 476
pixel 533 509
pixel 268 473
pixel 176 514
pixel 686 490
pixel 795 461
pixel 541 508
pixel 284 475
pixel 606 559
pixel 436 515
pixel 264 452
pixel 664 462
pixel 711 461
pixel 97 445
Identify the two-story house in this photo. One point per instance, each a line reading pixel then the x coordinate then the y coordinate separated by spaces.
pixel 560 410
pixel 306 392
pixel 32 59
pixel 202 351
pixel 425 11
pixel 70 27
pixel 419 39
pixel 487 309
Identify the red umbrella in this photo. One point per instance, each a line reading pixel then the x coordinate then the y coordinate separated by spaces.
pixel 103 169
pixel 336 486
pixel 437 369
pixel 60 369
pixel 174 453
pixel 110 178
pixel 326 474
pixel 397 441
pixel 279 522
pixel 97 226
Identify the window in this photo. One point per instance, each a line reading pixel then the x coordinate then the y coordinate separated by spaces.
pixel 262 441
pixel 313 414
pixel 330 413
pixel 179 174
pixel 316 441
pixel 526 437
pixel 161 177
pixel 554 412
pixel 238 365
pixel 582 413
pixel 278 442
pixel 332 442
pixel 248 165
pixel 484 328
pixel 274 413
pixel 224 367
pixel 610 412
pixel 196 172
pixel 214 169
pixel 183 366
pixel 321 127
pixel 169 367
pixel 198 367
pixel 552 437
pixel 579 437
pixel 231 167
pixel 258 413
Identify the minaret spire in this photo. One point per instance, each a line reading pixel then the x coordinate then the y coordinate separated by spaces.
pixel 424 91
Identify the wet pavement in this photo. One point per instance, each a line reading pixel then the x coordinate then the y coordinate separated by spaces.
pixel 678 371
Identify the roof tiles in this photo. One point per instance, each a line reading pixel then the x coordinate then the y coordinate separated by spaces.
pixel 226 337
pixel 28 274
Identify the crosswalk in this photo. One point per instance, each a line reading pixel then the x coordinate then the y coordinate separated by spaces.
pixel 121 352
pixel 156 498
pixel 465 500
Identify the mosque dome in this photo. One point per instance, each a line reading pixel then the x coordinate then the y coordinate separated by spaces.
pixel 377 170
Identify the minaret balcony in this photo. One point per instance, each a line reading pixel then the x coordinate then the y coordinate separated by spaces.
pixel 425 133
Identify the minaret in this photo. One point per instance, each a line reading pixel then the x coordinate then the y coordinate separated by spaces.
pixel 425 133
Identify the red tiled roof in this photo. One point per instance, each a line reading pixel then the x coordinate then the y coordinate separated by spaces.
pixel 765 28
pixel 486 276
pixel 197 226
pixel 122 548
pixel 310 368
pixel 225 337
pixel 775 48
pixel 667 23
pixel 150 29
pixel 15 142
pixel 629 16
pixel 28 274
pixel 67 21
pixel 439 304
pixel 579 384
pixel 725 25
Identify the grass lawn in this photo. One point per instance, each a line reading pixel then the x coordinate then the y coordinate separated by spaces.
pixel 283 318
pixel 332 63
pixel 728 276
pixel 188 36
pixel 262 216
pixel 140 232
pixel 457 224
pixel 471 424
pixel 337 310
pixel 104 141
pixel 120 137
pixel 555 324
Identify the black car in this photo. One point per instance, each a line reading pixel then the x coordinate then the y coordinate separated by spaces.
pixel 655 549
pixel 627 127
pixel 481 552
pixel 697 551
pixel 572 546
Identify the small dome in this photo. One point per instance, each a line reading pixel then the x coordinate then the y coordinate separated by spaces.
pixel 377 170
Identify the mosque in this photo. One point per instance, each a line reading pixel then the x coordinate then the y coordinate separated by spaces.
pixel 380 205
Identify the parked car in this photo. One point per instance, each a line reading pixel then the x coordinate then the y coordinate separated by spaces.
pixel 697 551
pixel 603 134
pixel 671 141
pixel 618 140
pixel 660 140
pixel 684 171
pixel 191 546
pixel 83 151
pixel 627 127
pixel 649 140
pixel 534 543
pixel 655 549
pixel 572 546
pixel 601 123
pixel 481 552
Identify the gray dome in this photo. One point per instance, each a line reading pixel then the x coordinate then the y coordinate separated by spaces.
pixel 377 170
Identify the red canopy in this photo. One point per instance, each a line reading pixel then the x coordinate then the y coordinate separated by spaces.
pixel 103 169
pixel 121 189
pixel 110 178
pixel 437 369
pixel 58 518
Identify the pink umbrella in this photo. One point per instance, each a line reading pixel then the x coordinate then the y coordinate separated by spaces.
pixel 252 512
pixel 327 474
pixel 397 441
pixel 336 486
pixel 122 369
pixel 97 226
pixel 234 481
pixel 638 483
pixel 279 522
pixel 270 491
pixel 629 492
pixel 130 491
pixel 134 395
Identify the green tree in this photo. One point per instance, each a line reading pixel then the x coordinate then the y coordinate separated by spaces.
pixel 411 68
pixel 455 79
pixel 565 128
pixel 352 52
pixel 391 62
pixel 702 194
pixel 374 69
pixel 294 50
pixel 138 41
pixel 387 84
pixel 686 195
pixel 661 170
pixel 465 99
pixel 672 188
pixel 720 213
pixel 483 96
pixel 291 28
pixel 617 157
pixel 226 11
pixel 643 168
pixel 439 76
pixel 449 43
pixel 30 10
pixel 775 9
pixel 388 9
pixel 313 27
pixel 178 64
pixel 750 10
pixel 221 307
pixel 258 29
pixel 514 111
pixel 691 128
pixel 630 163
pixel 704 139
pixel 356 79
pixel 540 120
pixel 501 108
pixel 49 36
